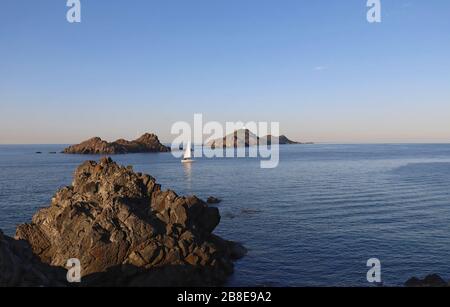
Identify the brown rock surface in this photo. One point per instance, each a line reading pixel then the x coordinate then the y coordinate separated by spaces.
pixel 127 231
pixel 145 144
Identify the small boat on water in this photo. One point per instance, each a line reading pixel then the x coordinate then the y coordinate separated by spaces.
pixel 187 158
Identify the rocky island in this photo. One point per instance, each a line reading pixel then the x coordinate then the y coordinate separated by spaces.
pixel 125 231
pixel 246 138
pixel 281 140
pixel 145 144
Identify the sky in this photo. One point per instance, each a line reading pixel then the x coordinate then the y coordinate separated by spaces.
pixel 315 66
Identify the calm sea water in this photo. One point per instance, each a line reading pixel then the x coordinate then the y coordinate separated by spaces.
pixel 313 221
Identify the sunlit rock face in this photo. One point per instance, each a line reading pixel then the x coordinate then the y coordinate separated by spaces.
pixel 126 231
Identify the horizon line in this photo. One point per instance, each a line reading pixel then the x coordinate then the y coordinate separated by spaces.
pixel 301 143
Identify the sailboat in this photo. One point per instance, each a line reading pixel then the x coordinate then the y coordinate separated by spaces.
pixel 187 158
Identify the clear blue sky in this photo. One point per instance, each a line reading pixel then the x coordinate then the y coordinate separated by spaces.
pixel 318 67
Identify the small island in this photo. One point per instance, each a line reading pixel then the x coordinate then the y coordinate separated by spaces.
pixel 246 138
pixel 148 143
pixel 281 140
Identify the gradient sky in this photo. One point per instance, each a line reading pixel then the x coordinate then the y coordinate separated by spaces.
pixel 318 67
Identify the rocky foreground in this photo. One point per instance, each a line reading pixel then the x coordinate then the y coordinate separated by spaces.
pixel 125 231
pixel 145 144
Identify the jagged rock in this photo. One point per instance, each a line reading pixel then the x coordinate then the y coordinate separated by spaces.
pixel 20 268
pixel 127 231
pixel 433 280
pixel 146 143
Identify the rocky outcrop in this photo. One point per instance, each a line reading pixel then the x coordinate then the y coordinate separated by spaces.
pixel 20 268
pixel 429 281
pixel 126 231
pixel 145 144
pixel 213 200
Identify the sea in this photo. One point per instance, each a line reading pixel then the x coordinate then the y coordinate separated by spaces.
pixel 315 220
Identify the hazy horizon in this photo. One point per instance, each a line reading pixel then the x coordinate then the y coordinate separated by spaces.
pixel 317 67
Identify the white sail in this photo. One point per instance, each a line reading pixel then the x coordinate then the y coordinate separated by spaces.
pixel 188 152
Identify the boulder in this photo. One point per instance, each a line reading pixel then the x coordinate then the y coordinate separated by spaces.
pixel 126 231
pixel 213 200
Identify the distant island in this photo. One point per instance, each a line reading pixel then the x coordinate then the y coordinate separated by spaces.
pixel 246 138
pixel 281 140
pixel 145 144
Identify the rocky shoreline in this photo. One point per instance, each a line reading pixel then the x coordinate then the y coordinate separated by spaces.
pixel 125 231
pixel 147 143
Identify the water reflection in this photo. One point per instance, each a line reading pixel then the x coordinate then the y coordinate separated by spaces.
pixel 187 167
